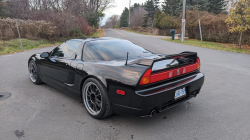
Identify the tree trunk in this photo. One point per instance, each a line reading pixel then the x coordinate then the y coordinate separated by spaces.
pixel 240 40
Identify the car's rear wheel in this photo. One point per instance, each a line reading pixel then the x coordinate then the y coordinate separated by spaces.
pixel 34 76
pixel 95 99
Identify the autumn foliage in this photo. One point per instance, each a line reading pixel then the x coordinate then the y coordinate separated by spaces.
pixel 28 29
pixel 213 27
pixel 239 18
pixel 47 26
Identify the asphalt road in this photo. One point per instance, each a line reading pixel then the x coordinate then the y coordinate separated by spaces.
pixel 220 111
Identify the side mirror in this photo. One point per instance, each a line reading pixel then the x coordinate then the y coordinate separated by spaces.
pixel 44 55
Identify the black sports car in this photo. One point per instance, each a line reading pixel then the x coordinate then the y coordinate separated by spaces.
pixel 116 76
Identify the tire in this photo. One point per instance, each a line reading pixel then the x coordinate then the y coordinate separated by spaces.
pixel 33 73
pixel 95 99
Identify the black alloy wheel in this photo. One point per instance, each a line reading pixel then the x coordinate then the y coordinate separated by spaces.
pixel 34 76
pixel 95 99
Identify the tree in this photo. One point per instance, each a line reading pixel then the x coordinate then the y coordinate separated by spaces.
pixel 216 6
pixel 171 7
pixel 112 22
pixel 230 3
pixel 115 20
pixel 145 21
pixel 164 21
pixel 2 7
pixel 18 9
pixel 151 7
pixel 202 5
pixel 137 16
pixel 175 7
pixel 124 18
pixel 136 5
pixel 91 10
pixel 95 17
pixel 239 19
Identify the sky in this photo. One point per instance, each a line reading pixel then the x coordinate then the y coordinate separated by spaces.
pixel 119 7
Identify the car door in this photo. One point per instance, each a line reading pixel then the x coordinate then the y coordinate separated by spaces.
pixel 75 73
pixel 55 70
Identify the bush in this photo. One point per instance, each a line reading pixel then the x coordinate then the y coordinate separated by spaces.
pixel 28 29
pixel 8 33
pixel 163 21
pixel 147 30
pixel 116 26
pixel 213 27
pixel 47 25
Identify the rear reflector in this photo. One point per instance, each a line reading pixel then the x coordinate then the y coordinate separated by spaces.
pixel 148 78
pixel 121 92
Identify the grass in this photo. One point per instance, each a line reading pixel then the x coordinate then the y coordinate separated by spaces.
pixel 133 31
pixel 98 33
pixel 211 45
pixel 214 45
pixel 14 45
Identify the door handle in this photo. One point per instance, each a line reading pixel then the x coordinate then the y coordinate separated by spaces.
pixel 70 85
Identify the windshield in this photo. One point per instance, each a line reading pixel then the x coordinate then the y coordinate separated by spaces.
pixel 113 50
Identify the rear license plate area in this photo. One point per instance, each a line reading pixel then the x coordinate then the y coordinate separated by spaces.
pixel 180 93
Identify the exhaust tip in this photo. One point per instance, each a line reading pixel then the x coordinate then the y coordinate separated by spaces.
pixel 195 93
pixel 153 113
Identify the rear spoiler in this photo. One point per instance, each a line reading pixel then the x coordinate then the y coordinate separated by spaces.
pixel 170 66
pixel 168 61
pixel 174 56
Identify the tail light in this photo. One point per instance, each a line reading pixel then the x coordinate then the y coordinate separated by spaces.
pixel 146 77
pixel 198 62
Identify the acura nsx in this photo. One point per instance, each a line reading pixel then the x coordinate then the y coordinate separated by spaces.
pixel 112 75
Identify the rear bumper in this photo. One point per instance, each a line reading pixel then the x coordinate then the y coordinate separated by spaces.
pixel 160 98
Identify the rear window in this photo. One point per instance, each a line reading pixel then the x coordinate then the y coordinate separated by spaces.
pixel 107 50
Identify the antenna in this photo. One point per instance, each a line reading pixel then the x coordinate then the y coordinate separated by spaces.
pixel 127 60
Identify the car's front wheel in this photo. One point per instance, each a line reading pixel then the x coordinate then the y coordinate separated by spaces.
pixel 95 99
pixel 33 72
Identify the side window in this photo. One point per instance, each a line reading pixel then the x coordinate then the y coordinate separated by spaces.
pixel 66 50
pixel 58 52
